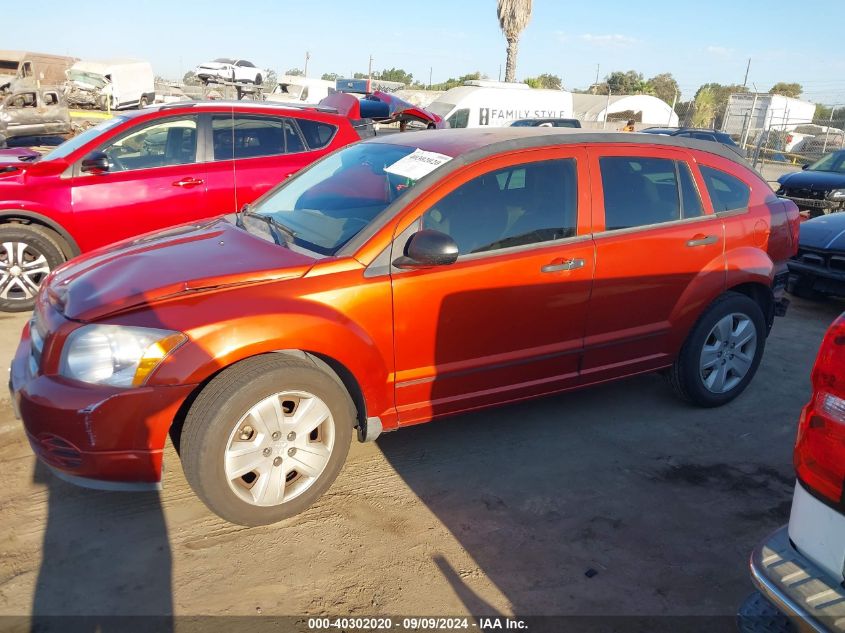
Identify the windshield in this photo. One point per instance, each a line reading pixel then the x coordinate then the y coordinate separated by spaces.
pixel 85 77
pixel 78 141
pixel 328 204
pixel 440 108
pixel 832 162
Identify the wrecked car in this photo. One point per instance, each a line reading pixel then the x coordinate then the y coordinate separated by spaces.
pixel 29 111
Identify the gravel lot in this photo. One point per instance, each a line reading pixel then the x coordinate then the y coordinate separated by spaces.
pixel 495 512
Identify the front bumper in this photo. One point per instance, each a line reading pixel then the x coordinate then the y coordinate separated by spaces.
pixel 819 278
pixel 801 590
pixel 825 206
pixel 100 437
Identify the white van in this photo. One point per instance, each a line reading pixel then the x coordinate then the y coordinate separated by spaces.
pixel 481 103
pixel 122 83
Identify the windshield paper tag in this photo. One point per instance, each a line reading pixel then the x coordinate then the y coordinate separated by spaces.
pixel 418 164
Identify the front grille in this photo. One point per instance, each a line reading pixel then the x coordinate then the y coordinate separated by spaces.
pixel 57 451
pixel 804 192
pixel 821 259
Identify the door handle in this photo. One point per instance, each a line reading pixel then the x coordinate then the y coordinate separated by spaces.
pixel 702 240
pixel 188 182
pixel 562 264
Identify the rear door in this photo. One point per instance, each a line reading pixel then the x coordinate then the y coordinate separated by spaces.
pixel 659 257
pixel 506 320
pixel 156 179
pixel 252 152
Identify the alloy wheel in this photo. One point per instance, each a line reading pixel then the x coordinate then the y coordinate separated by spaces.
pixel 728 353
pixel 22 269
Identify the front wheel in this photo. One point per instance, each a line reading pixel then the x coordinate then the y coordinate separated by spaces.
pixel 27 255
pixel 721 353
pixel 266 438
pixel 258 80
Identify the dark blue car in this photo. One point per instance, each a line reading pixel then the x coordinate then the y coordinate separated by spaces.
pixel 819 188
pixel 819 267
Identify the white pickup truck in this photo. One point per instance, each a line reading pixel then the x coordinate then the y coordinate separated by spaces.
pixel 800 568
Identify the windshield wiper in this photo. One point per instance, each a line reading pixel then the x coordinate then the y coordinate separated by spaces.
pixel 275 227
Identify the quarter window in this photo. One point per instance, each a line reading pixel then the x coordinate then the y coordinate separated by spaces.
pixel 727 192
pixel 645 191
pixel 164 144
pixel 253 136
pixel 317 135
pixel 459 119
pixel 524 204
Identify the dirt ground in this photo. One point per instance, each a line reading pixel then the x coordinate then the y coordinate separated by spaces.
pixel 502 511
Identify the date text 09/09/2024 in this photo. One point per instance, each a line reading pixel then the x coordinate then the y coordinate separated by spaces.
pixel 418 623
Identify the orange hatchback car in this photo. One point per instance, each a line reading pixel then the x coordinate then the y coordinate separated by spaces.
pixel 395 281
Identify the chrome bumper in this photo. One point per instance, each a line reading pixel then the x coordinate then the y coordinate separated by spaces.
pixel 802 591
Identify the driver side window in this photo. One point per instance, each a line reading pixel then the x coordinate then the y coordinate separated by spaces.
pixel 523 204
pixel 172 142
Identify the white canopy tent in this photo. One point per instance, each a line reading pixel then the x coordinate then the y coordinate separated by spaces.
pixel 642 108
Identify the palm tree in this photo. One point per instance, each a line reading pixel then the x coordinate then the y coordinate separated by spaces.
pixel 513 18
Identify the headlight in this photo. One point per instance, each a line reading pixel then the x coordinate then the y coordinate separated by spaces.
pixel 837 195
pixel 116 355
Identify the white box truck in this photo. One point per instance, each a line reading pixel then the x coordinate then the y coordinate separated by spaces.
pixel 481 103
pixel 118 83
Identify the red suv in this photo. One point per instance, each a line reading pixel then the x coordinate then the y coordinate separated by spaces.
pixel 395 281
pixel 146 170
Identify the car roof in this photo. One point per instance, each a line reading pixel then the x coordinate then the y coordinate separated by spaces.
pixel 226 106
pixel 474 143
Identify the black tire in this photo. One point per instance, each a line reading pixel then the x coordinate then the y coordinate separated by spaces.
pixel 39 241
pixel 801 286
pixel 225 400
pixel 258 80
pixel 143 102
pixel 685 374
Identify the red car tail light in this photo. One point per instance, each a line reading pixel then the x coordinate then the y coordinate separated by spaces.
pixel 820 448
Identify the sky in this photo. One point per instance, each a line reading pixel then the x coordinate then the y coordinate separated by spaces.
pixel 696 42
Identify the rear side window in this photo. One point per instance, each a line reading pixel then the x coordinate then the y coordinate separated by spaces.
pixel 524 204
pixel 317 135
pixel 639 191
pixel 253 136
pixel 691 206
pixel 727 192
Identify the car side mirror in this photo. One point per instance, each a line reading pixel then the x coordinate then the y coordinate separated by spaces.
pixel 805 166
pixel 95 162
pixel 428 248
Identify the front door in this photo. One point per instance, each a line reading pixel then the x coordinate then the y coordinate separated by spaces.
pixel 659 258
pixel 505 321
pixel 154 181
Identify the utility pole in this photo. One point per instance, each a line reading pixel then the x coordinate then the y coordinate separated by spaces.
pixel 500 72
pixel 674 103
pixel 307 57
pixel 370 69
pixel 596 84
pixel 430 70
pixel 747 68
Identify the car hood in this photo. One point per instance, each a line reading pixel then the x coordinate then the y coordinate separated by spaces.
pixel 815 180
pixel 826 232
pixel 213 65
pixel 182 260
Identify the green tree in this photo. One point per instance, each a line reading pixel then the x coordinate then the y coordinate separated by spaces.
pixel 513 18
pixel 330 77
pixel 664 86
pixel 720 95
pixel 270 81
pixel 190 79
pixel 453 83
pixel 295 72
pixel 704 108
pixel 621 83
pixel 546 80
pixel 786 89
pixel 395 74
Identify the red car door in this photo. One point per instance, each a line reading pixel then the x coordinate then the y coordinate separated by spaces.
pixel 506 321
pixel 659 258
pixel 154 180
pixel 250 154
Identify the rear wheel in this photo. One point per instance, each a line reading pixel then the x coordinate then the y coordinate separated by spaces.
pixel 28 253
pixel 258 80
pixel 266 438
pixel 721 353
